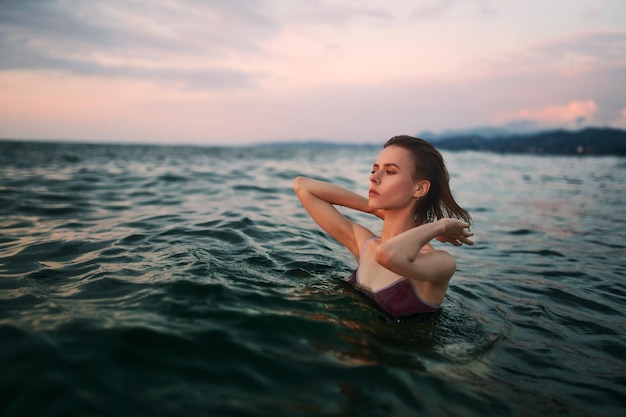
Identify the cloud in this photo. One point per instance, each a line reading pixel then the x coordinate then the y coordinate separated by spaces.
pixel 190 41
pixel 571 54
pixel 197 43
pixel 573 114
pixel 291 68
pixel 330 13
pixel 436 9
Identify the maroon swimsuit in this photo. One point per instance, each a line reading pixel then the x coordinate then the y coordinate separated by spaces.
pixel 398 299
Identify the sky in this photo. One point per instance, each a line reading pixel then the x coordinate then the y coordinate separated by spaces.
pixel 248 71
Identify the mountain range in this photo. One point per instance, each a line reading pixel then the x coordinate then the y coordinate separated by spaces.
pixel 588 141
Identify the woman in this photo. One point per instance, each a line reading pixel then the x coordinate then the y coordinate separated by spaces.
pixel 409 190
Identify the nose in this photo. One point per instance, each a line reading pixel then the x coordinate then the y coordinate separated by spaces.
pixel 374 178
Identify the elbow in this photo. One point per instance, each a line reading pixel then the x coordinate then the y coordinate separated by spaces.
pixel 297 184
pixel 391 258
pixel 301 186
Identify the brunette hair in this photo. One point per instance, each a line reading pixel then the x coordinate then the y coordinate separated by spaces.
pixel 429 165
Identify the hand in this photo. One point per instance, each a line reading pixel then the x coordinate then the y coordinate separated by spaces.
pixel 379 213
pixel 455 232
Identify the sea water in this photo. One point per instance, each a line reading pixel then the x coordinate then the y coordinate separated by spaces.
pixel 189 281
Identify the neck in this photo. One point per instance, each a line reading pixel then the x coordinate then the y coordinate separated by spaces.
pixel 396 222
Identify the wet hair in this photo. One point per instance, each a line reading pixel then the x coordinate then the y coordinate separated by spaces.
pixel 429 165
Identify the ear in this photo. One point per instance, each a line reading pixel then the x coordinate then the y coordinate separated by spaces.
pixel 421 188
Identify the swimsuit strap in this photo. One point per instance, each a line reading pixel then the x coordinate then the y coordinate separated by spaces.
pixel 367 241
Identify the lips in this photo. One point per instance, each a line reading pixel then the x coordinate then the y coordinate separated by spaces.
pixel 373 193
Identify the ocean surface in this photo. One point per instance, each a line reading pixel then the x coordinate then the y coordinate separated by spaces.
pixel 189 281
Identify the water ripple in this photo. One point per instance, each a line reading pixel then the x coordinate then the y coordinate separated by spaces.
pixel 125 268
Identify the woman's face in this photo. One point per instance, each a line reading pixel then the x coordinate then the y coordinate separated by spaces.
pixel 391 183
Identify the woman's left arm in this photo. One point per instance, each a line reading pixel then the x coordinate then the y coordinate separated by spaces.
pixel 401 254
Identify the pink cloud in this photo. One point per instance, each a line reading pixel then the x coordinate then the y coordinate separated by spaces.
pixel 571 113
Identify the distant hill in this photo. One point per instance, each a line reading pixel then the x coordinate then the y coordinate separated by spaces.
pixel 590 141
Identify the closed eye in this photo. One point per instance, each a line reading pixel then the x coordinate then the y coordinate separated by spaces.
pixel 376 167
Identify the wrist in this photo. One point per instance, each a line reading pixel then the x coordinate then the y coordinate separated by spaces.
pixel 439 227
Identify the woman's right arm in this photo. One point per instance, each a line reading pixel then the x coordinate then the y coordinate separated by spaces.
pixel 319 198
